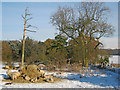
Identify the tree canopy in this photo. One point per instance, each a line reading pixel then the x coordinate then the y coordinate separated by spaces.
pixel 83 24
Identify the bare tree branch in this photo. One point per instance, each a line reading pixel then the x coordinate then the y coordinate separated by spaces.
pixel 30 30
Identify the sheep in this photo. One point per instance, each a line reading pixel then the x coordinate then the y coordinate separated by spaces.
pixel 8 73
pixel 26 77
pixel 41 72
pixel 7 67
pixel 34 80
pixel 49 78
pixel 13 75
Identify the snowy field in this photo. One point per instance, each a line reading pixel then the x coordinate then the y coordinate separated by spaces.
pixel 82 79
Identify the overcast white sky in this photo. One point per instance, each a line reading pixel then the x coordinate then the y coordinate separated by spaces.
pixel 110 43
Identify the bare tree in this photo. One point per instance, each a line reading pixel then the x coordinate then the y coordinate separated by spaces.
pixel 26 18
pixel 88 19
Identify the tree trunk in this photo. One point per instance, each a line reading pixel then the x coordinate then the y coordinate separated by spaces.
pixel 84 60
pixel 86 63
pixel 23 50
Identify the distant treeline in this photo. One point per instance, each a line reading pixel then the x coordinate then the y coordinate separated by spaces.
pixel 112 51
pixel 55 52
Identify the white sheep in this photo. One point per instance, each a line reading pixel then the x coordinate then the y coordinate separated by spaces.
pixel 41 72
pixel 13 75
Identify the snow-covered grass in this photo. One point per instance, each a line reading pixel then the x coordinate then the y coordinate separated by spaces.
pixel 82 79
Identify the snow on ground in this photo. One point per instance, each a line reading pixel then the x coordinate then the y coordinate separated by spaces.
pixel 82 79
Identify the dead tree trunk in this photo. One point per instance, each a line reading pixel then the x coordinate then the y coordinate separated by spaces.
pixel 26 26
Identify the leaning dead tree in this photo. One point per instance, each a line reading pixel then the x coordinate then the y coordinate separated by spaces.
pixel 27 27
